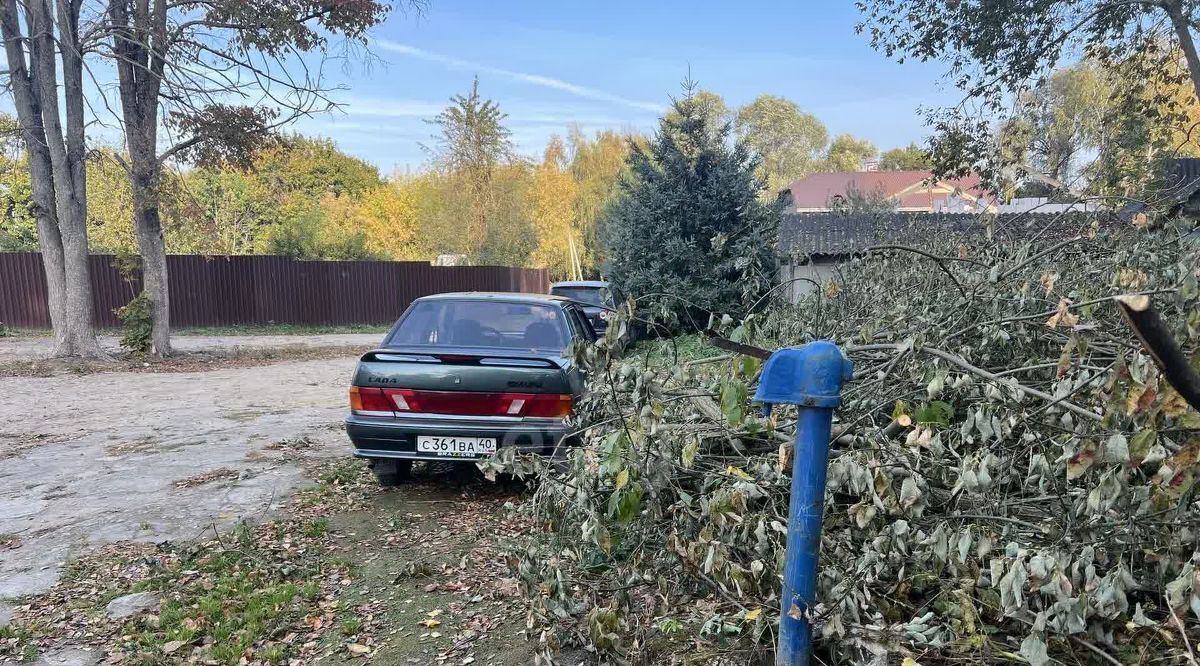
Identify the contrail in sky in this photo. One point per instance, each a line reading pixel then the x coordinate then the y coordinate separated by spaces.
pixel 534 79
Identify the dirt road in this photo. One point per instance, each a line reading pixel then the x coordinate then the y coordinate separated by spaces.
pixel 149 457
pixel 118 472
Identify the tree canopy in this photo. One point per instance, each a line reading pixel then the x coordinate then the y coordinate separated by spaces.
pixel 908 158
pixel 849 153
pixel 996 50
pixel 790 143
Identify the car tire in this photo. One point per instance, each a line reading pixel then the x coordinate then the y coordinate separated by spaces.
pixel 391 472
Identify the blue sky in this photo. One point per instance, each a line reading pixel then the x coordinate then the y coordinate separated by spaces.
pixel 615 64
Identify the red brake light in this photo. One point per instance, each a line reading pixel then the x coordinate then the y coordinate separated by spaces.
pixel 548 405
pixel 367 399
pixel 470 403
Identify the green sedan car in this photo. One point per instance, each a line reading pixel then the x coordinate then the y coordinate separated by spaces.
pixel 460 375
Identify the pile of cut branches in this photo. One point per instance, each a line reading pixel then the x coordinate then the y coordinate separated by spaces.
pixel 1011 478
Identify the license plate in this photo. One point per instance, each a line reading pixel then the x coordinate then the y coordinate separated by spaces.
pixel 457 447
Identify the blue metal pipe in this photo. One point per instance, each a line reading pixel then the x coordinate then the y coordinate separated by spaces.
pixel 810 461
pixel 810 377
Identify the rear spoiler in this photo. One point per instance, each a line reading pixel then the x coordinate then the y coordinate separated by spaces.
pixel 503 359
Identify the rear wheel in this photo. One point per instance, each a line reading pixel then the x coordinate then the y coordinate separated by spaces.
pixel 391 472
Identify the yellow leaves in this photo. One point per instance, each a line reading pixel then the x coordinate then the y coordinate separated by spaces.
pixel 688 456
pixel 552 197
pixel 385 216
pixel 909 661
pixel 622 479
pixel 1178 473
pixel 429 622
pixel 1048 280
pixel 739 473
pixel 1130 278
pixel 1139 398
pixel 1172 404
pixel 1063 315
pixel 753 615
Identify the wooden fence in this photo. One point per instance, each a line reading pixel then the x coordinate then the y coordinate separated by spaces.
pixel 211 291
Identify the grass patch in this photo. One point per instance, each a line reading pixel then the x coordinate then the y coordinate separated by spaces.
pixel 178 362
pixel 224 599
pixel 283 329
pixel 17 642
pixel 671 351
pixel 316 528
pixel 265 591
pixel 231 329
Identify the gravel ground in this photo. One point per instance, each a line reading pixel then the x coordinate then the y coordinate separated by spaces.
pixel 155 456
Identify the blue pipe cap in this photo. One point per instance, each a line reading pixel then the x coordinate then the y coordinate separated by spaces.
pixel 811 376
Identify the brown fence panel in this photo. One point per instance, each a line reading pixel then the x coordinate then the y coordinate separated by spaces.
pixel 23 291
pixel 210 291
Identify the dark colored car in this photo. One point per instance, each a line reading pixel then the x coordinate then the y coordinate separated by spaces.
pixel 597 297
pixel 460 375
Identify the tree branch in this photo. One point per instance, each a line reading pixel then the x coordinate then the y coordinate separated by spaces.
pixel 1160 344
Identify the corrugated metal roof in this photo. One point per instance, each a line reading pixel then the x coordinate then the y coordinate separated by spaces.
pixel 802 234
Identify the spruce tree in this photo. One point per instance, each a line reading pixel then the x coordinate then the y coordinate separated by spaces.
pixel 686 232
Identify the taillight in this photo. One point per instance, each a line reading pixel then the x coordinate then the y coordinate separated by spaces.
pixel 367 399
pixel 548 405
pixel 468 403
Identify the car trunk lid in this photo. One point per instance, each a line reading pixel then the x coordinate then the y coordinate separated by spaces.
pixel 466 382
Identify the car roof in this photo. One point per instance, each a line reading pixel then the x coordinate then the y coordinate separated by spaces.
pixel 595 284
pixel 499 296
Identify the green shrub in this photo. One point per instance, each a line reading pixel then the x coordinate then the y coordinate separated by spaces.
pixel 137 323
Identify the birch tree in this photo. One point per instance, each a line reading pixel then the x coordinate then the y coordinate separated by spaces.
pixel 42 38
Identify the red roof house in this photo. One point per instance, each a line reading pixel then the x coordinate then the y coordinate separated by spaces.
pixel 913 191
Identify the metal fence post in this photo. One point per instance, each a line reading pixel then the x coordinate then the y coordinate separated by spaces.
pixel 810 377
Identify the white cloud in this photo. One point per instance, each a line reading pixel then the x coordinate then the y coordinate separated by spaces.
pixel 524 77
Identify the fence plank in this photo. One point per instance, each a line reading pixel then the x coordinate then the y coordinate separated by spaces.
pixel 211 291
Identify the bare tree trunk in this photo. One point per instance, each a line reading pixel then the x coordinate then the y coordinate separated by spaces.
pixel 1183 31
pixel 138 42
pixel 33 134
pixel 148 227
pixel 56 161
pixel 67 164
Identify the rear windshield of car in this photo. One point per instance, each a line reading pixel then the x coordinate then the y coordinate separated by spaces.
pixel 590 295
pixel 482 324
